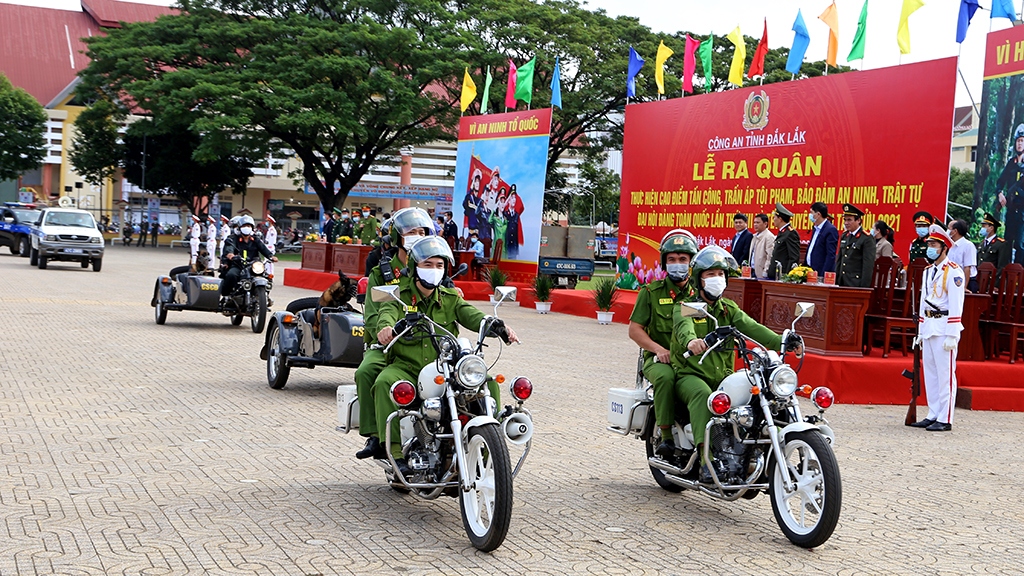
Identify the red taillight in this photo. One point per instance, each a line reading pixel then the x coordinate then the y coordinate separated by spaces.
pixel 522 388
pixel 403 392
pixel 719 403
pixel 363 282
pixel 464 418
pixel 823 397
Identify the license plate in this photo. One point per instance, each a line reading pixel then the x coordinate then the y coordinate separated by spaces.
pixel 562 280
pixel 72 250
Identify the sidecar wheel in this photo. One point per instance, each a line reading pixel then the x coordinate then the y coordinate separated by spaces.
pixel 277 368
pixel 487 508
pixel 659 476
pixel 160 312
pixel 808 514
pixel 237 319
pixel 302 303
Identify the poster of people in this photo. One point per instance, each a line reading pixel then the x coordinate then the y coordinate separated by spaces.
pixel 998 185
pixel 499 184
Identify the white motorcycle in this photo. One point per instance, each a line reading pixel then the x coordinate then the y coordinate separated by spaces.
pixel 453 438
pixel 757 439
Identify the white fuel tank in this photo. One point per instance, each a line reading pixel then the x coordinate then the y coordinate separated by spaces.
pixel 426 385
pixel 737 386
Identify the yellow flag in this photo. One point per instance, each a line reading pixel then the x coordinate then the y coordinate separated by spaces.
pixel 831 17
pixel 468 90
pixel 903 33
pixel 738 57
pixel 659 66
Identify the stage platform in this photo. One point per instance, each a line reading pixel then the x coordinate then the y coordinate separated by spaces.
pixel 993 385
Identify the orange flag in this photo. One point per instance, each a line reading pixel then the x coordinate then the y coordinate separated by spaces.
pixel 757 64
pixel 831 17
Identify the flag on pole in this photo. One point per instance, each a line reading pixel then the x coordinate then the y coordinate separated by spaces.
pixel 1004 9
pixel 524 81
pixel 967 10
pixel 857 50
pixel 510 93
pixel 689 63
pixel 903 32
pixel 556 86
pixel 739 56
pixel 831 17
pixel 659 66
pixel 704 51
pixel 801 39
pixel 635 64
pixel 487 92
pixel 757 63
pixel 468 90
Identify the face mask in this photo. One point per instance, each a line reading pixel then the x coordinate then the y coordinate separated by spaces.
pixel 246 230
pixel 355 218
pixel 430 277
pixel 932 253
pixel 345 216
pixel 409 241
pixel 677 272
pixel 714 286
pixel 474 239
pixel 365 213
pixel 811 218
pixel 922 231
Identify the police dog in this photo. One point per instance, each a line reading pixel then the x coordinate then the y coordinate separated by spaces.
pixel 337 296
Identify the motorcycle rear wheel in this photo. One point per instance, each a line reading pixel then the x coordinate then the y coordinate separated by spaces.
pixel 277 368
pixel 659 476
pixel 487 507
pixel 237 319
pixel 808 514
pixel 259 315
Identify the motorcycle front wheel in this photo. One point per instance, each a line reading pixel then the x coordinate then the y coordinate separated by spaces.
pixel 487 507
pixel 808 514
pixel 277 367
pixel 259 315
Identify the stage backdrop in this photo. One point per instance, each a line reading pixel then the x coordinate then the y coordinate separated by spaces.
pixel 879 139
pixel 1000 163
pixel 499 183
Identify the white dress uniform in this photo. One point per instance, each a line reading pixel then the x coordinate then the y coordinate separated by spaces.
pixel 196 232
pixel 211 239
pixel 270 239
pixel 942 303
pixel 225 231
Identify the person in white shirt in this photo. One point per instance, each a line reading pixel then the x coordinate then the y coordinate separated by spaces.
pixel 964 253
pixel 195 232
pixel 211 237
pixel 761 247
pixel 225 231
pixel 270 239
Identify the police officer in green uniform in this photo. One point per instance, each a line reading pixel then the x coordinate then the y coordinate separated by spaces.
pixel 922 222
pixel 408 226
pixel 709 273
pixel 993 248
pixel 786 252
pixel 650 325
pixel 431 260
pixel 366 229
pixel 856 262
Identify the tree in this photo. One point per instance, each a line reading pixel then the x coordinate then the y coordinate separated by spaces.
pixel 22 124
pixel 97 151
pixel 961 191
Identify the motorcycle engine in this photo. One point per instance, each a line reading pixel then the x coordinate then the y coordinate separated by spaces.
pixel 732 457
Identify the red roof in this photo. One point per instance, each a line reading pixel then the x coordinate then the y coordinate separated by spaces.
pixel 41 50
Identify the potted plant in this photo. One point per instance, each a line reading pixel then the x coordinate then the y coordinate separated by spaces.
pixel 542 287
pixel 605 294
pixel 495 278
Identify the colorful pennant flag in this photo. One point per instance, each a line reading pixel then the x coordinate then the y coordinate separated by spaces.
pixel 487 92
pixel 903 32
pixel 739 57
pixel 967 10
pixel 831 17
pixel 556 86
pixel 801 39
pixel 524 81
pixel 635 64
pixel 1004 9
pixel 510 92
pixel 468 90
pixel 857 50
pixel 757 63
pixel 704 52
pixel 659 66
pixel 689 63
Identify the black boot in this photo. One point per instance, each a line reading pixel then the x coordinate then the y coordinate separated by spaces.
pixel 666 449
pixel 372 448
pixel 403 467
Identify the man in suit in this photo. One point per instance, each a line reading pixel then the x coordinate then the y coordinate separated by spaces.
pixel 821 253
pixel 450 229
pixel 786 252
pixel 762 245
pixel 741 241
pixel 856 251
pixel 993 248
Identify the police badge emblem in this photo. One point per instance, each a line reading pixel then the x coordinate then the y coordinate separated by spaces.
pixel 958 281
pixel 755 111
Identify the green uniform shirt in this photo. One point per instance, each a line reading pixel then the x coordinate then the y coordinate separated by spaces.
pixel 918 249
pixel 366 230
pixel 653 310
pixel 443 306
pixel 996 251
pixel 371 309
pixel 719 363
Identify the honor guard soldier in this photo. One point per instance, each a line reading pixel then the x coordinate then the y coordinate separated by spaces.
pixel 786 253
pixel 194 233
pixel 922 223
pixel 993 248
pixel 270 239
pixel 222 236
pixel 856 261
pixel 211 236
pixel 941 304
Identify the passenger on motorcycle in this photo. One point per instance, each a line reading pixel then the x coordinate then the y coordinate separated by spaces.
pixel 650 325
pixel 432 260
pixel 710 270
pixel 243 245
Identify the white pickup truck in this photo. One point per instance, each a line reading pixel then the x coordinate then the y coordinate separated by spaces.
pixel 66 235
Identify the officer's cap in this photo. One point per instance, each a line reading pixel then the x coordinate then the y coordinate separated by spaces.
pixel 851 210
pixel 935 232
pixel 924 219
pixel 782 211
pixel 992 220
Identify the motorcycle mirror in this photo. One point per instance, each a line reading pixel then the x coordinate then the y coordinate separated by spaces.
pixel 385 293
pixel 505 293
pixel 693 309
pixel 462 270
pixel 804 309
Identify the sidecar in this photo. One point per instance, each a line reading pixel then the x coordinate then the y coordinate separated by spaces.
pixel 291 342
pixel 185 291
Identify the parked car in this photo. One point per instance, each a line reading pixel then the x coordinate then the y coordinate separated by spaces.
pixel 66 235
pixel 16 227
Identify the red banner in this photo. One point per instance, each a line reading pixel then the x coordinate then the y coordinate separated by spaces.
pixel 1004 55
pixel 878 139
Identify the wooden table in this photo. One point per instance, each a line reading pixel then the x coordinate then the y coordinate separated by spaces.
pixel 350 259
pixel 837 327
pixel 316 256
pixel 465 257
pixel 747 294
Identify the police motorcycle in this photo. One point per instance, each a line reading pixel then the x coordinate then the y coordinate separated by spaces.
pixel 757 440
pixel 454 443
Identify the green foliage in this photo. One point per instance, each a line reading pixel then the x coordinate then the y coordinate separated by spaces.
pixel 22 123
pixel 96 152
pixel 496 278
pixel 961 191
pixel 542 287
pixel 605 293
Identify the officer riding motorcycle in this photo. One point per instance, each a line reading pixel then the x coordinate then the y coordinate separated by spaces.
pixel 238 249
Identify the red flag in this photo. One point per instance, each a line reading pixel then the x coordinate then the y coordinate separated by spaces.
pixel 689 63
pixel 757 64
pixel 510 94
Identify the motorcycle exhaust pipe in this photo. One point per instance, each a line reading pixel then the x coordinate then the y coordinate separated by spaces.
pixel 518 428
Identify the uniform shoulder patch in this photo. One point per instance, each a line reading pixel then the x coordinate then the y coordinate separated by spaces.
pixel 998 239
pixel 953 264
pixel 959 281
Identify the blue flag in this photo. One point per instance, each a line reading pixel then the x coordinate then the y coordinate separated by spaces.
pixel 1002 9
pixel 967 10
pixel 801 39
pixel 635 64
pixel 556 86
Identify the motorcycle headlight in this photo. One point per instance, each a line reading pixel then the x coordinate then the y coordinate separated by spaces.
pixel 783 381
pixel 471 371
pixel 258 268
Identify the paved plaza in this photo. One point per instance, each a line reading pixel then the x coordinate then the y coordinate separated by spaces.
pixel 132 448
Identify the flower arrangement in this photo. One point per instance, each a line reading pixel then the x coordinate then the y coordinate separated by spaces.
pixel 312 237
pixel 344 240
pixel 797 275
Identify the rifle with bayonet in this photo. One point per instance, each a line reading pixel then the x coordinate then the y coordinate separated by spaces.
pixel 915 375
